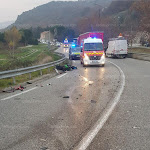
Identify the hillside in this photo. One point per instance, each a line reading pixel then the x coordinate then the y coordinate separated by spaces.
pixel 118 6
pixel 64 13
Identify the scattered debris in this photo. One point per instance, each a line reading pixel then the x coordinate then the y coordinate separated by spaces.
pixel 136 127
pixel 20 88
pixel 80 95
pixel 90 82
pixel 28 82
pixel 66 97
pixel 9 90
pixel 43 140
pixel 49 84
pixel 93 101
pixel 57 71
pixel 65 67
pixel 73 67
pixel 44 148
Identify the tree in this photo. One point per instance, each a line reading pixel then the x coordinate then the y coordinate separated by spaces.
pixel 26 36
pixel 12 38
pixel 143 8
pixel 2 37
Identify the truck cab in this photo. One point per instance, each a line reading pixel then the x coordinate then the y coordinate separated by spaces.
pixel 92 52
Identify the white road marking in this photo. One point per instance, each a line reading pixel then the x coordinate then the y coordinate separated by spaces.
pixel 88 138
pixel 18 94
pixel 61 75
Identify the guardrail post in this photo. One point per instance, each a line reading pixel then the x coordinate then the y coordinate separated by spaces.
pixel 29 75
pixel 14 81
pixel 41 72
pixel 48 70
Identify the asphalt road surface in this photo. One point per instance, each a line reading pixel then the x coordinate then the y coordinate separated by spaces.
pixel 41 118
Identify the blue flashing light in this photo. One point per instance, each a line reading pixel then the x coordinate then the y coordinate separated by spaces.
pixel 81 46
pixel 73 45
pixel 94 38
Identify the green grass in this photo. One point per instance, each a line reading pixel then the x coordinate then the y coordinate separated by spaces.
pixel 26 56
pixel 139 50
pixel 9 63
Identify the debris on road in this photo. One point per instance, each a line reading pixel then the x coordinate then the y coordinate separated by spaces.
pixel 20 88
pixel 66 97
pixel 90 82
pixel 48 84
pixel 57 71
pixel 13 89
pixel 73 67
pixel 9 90
pixel 43 140
pixel 66 68
pixel 135 127
pixel 93 101
pixel 44 148
pixel 28 82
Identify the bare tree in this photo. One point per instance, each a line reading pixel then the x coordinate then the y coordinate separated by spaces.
pixel 12 37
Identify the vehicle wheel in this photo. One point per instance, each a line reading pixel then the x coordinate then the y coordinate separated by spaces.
pixel 103 65
pixel 81 62
pixel 70 57
pixel 124 56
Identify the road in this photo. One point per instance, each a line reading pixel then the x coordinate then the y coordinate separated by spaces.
pixel 40 118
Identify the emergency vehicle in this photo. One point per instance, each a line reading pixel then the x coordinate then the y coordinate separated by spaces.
pixel 66 43
pixel 92 52
pixel 74 51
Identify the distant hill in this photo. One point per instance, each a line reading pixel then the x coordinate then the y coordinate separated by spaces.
pixel 5 24
pixel 58 12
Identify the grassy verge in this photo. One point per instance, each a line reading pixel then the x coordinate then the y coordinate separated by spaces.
pixel 27 56
pixel 139 50
pixel 23 78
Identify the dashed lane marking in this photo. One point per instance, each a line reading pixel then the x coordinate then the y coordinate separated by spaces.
pixel 18 94
pixel 61 75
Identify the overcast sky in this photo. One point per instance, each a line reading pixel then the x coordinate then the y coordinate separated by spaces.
pixel 10 9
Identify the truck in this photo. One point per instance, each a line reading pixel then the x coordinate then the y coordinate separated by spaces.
pixel 117 47
pixel 98 35
pixel 92 49
pixel 66 43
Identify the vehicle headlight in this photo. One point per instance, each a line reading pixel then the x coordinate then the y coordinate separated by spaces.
pixel 86 57
pixel 103 56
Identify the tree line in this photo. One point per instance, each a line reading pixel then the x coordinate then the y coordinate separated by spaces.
pixel 13 37
pixel 126 17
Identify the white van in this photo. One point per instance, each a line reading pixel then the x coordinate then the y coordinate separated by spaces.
pixel 117 47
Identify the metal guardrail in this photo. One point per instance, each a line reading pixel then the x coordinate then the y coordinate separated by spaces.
pixel 21 71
